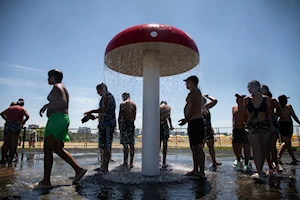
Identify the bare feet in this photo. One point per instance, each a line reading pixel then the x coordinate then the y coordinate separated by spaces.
pixel 191 173
pixel 42 185
pixel 79 175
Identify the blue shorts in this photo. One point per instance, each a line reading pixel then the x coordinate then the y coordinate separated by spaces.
pixel 106 137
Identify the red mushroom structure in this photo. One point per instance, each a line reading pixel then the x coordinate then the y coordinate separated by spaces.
pixel 151 51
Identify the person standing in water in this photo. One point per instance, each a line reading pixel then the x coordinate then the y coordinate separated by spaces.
pixel 209 131
pixel 165 117
pixel 107 124
pixel 15 117
pixel 56 131
pixel 193 116
pixel 240 135
pixel 286 128
pixel 274 166
pixel 259 124
pixel 127 114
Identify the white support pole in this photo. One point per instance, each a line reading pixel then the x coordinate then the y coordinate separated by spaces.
pixel 151 129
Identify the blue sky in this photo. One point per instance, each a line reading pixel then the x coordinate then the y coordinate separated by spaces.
pixel 238 41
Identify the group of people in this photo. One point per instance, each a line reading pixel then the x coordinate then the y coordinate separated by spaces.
pixel 126 119
pixel 15 117
pixel 259 120
pixel 256 113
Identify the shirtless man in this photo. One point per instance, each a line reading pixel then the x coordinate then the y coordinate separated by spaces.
pixel 56 131
pixel 239 135
pixel 193 116
pixel 165 117
pixel 126 120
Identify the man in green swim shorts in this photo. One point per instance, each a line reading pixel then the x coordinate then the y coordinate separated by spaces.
pixel 56 131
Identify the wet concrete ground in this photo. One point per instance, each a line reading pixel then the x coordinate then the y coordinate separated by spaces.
pixel 16 181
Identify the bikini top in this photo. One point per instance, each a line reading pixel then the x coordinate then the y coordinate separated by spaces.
pixel 262 108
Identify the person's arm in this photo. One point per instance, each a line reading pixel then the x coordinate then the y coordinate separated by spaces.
pixel 25 113
pixel 293 114
pixel 3 114
pixel 121 111
pixel 269 113
pixel 233 118
pixel 134 111
pixel 100 110
pixel 212 103
pixel 245 110
pixel 170 121
pixel 278 108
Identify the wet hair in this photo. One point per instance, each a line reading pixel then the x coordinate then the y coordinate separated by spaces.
pixel 13 103
pixel 126 94
pixel 101 86
pixel 269 94
pixel 282 100
pixel 20 102
pixel 163 102
pixel 58 75
pixel 256 83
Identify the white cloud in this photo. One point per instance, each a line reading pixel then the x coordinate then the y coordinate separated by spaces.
pixel 22 82
pixel 25 69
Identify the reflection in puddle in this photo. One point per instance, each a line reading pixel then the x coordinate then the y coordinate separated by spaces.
pixel 17 181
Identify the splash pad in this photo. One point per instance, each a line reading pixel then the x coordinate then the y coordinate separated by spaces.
pixel 151 51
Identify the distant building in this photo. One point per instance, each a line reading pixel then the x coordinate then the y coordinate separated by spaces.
pixel 84 130
pixel 30 126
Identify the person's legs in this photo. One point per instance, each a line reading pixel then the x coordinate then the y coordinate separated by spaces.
pixel 254 141
pixel 58 148
pixel 281 149
pixel 211 149
pixel 131 155
pixel 263 140
pixel 288 145
pixel 6 146
pixel 165 148
pixel 247 152
pixel 106 158
pixel 13 146
pixel 200 157
pixel 196 136
pixel 272 155
pixel 268 155
pixel 48 160
pixel 125 152
pixel 237 149
pixel 195 161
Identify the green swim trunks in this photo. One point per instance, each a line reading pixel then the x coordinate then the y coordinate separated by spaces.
pixel 57 125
